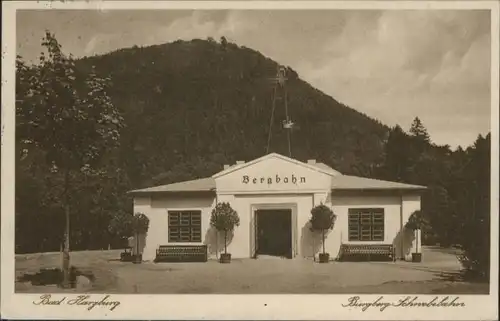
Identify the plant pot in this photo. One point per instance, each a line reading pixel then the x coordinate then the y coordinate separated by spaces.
pixel 416 257
pixel 137 259
pixel 324 257
pixel 225 258
pixel 126 257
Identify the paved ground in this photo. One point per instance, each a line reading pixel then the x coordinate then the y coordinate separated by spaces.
pixel 437 274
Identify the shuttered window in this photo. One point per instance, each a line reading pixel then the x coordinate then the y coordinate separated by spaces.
pixel 184 226
pixel 366 224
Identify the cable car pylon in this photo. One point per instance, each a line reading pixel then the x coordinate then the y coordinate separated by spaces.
pixel 288 124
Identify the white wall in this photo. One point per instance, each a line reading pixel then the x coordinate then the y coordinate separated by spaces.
pixel 307 244
pixel 156 209
pixel 242 245
pixel 263 184
pixel 142 204
pixel 341 206
pixel 397 210
pixel 271 183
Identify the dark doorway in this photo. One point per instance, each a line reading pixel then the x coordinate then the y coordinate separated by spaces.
pixel 274 232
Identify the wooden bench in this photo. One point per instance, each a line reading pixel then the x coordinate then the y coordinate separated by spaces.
pixel 368 251
pixel 181 253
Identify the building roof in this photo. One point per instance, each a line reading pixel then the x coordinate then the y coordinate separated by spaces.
pixel 196 185
pixel 321 168
pixel 346 182
pixel 339 182
pixel 326 168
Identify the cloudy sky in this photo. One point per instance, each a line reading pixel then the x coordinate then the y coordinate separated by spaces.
pixel 392 65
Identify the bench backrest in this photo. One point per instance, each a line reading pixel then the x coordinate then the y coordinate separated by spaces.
pixel 369 246
pixel 185 249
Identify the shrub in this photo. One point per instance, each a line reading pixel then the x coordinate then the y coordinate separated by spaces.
pixel 415 221
pixel 140 223
pixel 224 218
pixel 322 219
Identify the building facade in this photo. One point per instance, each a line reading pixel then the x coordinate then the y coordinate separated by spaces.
pixel 273 196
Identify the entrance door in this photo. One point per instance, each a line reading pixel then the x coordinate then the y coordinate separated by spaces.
pixel 274 232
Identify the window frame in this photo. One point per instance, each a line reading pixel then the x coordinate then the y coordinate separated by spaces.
pixel 184 226
pixel 366 224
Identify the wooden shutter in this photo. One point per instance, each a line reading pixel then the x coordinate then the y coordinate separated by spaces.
pixel 184 226
pixel 353 225
pixel 366 224
pixel 378 225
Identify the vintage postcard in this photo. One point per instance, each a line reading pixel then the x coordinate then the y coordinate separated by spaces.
pixel 250 160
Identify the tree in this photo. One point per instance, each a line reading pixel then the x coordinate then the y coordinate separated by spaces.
pixel 419 147
pixel 416 221
pixel 68 114
pixel 322 219
pixel 121 225
pixel 124 225
pixel 475 209
pixel 140 225
pixel 418 130
pixel 436 210
pixel 397 162
pixel 224 218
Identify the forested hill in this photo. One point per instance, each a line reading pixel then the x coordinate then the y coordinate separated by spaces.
pixel 192 106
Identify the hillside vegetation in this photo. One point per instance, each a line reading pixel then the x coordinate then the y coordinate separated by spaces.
pixel 207 102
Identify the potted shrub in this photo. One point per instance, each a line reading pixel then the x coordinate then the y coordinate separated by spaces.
pixel 414 224
pixel 322 219
pixel 140 226
pixel 121 228
pixel 224 218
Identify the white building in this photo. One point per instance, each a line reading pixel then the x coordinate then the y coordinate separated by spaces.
pixel 273 196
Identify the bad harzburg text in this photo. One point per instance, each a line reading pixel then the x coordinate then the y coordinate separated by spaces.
pixel 81 300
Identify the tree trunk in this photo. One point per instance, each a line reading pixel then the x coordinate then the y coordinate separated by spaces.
pixel 61 251
pixel 225 242
pixel 416 240
pixel 137 247
pixel 323 231
pixel 66 259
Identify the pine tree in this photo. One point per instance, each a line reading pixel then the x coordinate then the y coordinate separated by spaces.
pixel 418 152
pixel 418 130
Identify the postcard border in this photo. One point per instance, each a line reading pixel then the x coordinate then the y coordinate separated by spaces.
pixel 216 306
